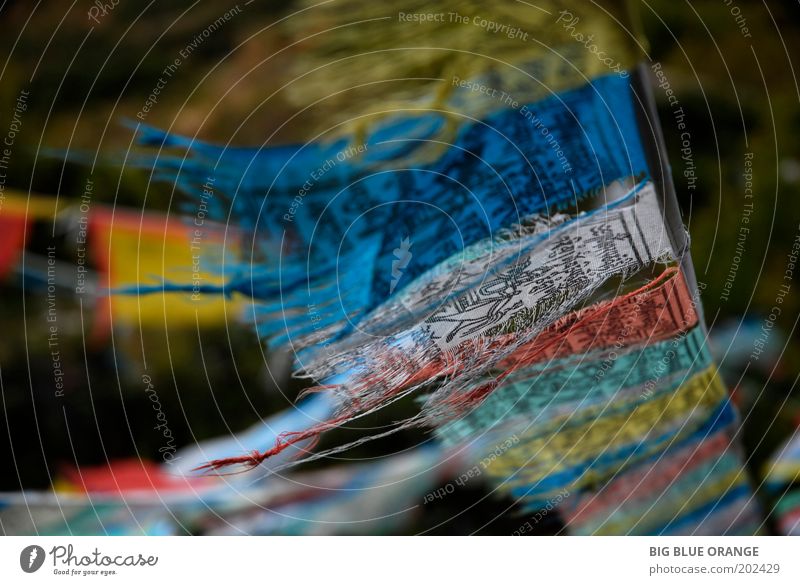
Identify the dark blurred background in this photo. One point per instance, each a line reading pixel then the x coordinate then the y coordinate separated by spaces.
pixel 739 93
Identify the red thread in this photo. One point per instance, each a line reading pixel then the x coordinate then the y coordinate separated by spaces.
pixel 655 311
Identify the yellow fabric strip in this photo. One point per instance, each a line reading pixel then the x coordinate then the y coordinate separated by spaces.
pixel 32 206
pixel 538 457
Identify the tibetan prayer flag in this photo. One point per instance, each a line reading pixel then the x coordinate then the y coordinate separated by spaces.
pixel 150 252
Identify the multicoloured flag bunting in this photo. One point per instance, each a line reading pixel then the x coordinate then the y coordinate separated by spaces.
pixel 498 242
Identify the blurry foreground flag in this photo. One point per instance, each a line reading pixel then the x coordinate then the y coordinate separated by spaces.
pixel 12 240
pixel 17 211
